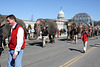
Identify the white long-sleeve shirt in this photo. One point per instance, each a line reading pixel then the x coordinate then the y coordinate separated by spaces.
pixel 20 36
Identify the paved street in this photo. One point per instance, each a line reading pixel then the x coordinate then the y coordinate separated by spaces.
pixel 61 54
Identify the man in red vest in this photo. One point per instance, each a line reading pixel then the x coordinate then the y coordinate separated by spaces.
pixel 16 42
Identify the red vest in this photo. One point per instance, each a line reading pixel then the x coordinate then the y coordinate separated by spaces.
pixel 13 39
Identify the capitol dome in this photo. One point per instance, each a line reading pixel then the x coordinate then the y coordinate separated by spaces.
pixel 61 15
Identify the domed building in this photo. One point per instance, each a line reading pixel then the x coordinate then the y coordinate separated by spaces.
pixel 83 18
pixel 60 20
pixel 61 15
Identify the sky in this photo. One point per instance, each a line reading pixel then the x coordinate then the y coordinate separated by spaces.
pixel 26 9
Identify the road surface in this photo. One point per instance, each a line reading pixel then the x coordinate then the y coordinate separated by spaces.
pixel 61 54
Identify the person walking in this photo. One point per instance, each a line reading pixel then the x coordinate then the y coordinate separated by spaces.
pixel 16 42
pixel 32 33
pixel 75 35
pixel 45 35
pixel 84 37
pixel 64 31
pixel 58 33
pixel 96 33
pixel 29 32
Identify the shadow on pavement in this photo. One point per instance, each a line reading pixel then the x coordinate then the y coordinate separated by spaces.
pixel 96 45
pixel 62 39
pixel 72 49
pixel 0 54
pixel 36 44
pixel 91 39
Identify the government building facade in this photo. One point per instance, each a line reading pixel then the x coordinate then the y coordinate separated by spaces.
pixel 61 20
pixel 81 18
pixel 29 22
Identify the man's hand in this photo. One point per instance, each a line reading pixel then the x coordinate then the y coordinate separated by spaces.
pixel 48 35
pixel 6 46
pixel 14 56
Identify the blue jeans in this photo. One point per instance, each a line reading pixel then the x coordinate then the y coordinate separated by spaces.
pixel 96 37
pixel 18 61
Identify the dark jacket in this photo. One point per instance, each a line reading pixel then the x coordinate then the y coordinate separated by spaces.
pixel 1 32
pixel 1 49
pixel 96 33
pixel 75 32
pixel 44 32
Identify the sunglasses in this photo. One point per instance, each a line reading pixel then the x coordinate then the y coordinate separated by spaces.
pixel 7 20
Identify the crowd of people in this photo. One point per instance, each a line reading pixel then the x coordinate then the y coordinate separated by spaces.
pixel 74 35
pixel 84 35
pixel 16 40
pixel 31 33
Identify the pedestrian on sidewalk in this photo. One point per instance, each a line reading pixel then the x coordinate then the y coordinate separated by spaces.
pixel 16 42
pixel 84 37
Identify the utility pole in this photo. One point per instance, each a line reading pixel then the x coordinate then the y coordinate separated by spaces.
pixel 32 17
